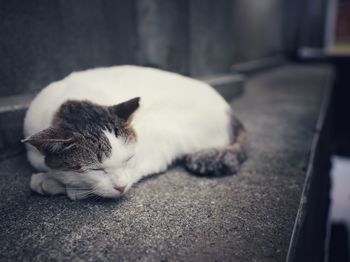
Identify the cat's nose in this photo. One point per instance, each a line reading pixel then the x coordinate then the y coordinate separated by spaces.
pixel 121 189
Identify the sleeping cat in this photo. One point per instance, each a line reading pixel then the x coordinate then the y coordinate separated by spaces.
pixel 99 131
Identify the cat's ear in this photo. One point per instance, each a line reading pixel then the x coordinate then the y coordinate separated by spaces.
pixel 126 109
pixel 52 140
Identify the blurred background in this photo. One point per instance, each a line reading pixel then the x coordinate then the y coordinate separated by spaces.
pixel 43 41
pixel 197 37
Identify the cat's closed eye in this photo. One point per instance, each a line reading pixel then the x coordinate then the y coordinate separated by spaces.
pixel 98 169
pixel 128 159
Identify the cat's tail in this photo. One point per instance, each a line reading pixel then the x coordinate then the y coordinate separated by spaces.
pixel 221 161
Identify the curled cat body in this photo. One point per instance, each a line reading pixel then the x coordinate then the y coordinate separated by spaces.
pixel 99 131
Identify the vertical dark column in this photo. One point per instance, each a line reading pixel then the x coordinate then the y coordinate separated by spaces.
pixel 341 107
pixel 304 24
pixel 313 27
pixel 211 37
pixel 163 38
pixel 292 13
pixel 258 29
pixel 43 41
pixel 226 32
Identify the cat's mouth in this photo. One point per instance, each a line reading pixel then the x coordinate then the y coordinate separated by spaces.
pixel 114 192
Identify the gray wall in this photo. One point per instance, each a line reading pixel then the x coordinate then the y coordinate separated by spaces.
pixel 163 36
pixel 258 29
pixel 233 32
pixel 204 37
pixel 304 23
pixel 212 42
pixel 312 31
pixel 42 41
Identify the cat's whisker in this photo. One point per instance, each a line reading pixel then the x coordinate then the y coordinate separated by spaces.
pixel 78 189
pixel 86 194
pixel 94 197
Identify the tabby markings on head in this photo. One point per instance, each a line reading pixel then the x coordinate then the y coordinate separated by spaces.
pixel 77 140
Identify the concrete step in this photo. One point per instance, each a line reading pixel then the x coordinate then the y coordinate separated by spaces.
pixel 177 216
pixel 253 66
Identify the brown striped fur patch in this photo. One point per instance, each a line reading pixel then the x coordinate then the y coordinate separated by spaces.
pixel 221 161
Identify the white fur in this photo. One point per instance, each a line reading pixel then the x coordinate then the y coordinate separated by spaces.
pixel 177 116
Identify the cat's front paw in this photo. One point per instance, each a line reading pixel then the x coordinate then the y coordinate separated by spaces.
pixel 43 185
pixel 35 183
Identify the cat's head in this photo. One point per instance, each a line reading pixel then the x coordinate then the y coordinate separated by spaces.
pixel 90 147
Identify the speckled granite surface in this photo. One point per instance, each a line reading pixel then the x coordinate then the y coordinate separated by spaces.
pixel 176 216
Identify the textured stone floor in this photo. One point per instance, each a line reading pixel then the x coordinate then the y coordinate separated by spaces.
pixel 176 216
